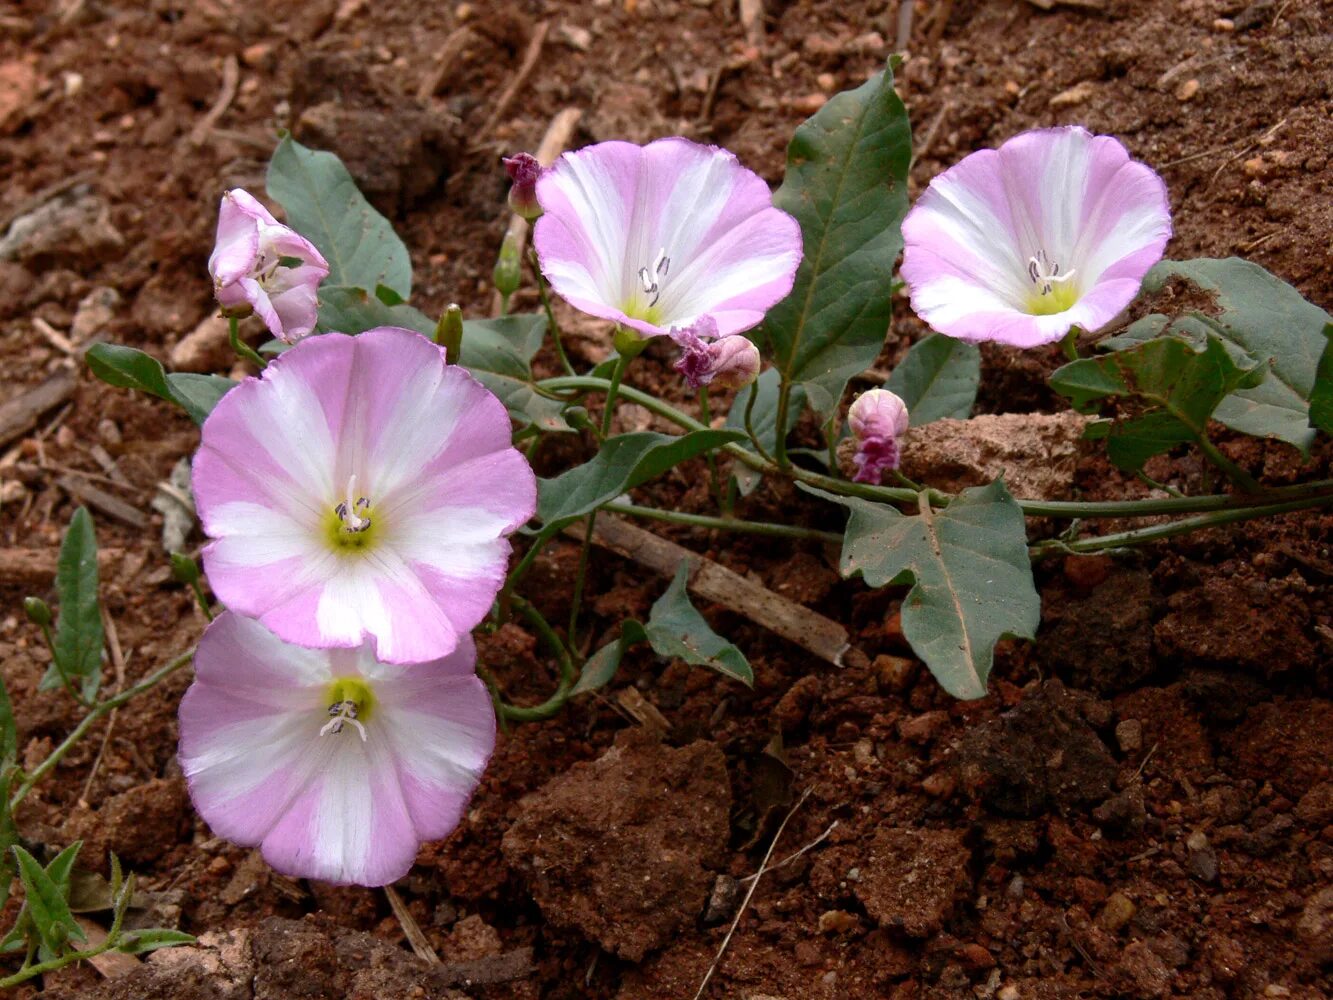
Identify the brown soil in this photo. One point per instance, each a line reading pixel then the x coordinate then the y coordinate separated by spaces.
pixel 1142 808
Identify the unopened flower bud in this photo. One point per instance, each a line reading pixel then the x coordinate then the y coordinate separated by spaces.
pixel 508 271
pixel 877 419
pixel 734 362
pixel 449 333
pixel 38 611
pixel 184 569
pixel 523 171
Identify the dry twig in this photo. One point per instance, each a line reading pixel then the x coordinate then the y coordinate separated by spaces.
pixel 415 937
pixel 516 84
pixel 82 490
pixel 454 46
pixel 19 415
pixel 231 77
pixel 752 20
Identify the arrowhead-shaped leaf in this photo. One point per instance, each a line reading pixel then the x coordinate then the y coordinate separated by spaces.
pixel 675 628
pixel 970 573
pixel 846 185
pixel 127 368
pixel 324 205
pixel 938 379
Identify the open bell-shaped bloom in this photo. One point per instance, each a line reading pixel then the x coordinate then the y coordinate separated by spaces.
pixel 360 488
pixel 335 764
pixel 657 236
pixel 260 264
pixel 877 419
pixel 1054 229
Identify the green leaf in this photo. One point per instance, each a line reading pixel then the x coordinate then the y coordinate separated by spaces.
pixel 9 834
pixel 58 871
pixel 46 905
pixel 846 185
pixel 350 309
pixel 128 368
pixel 1321 396
pixel 152 938
pixel 938 379
pixel 764 419
pixel 1179 386
pixel 1265 324
pixel 78 639
pixel 676 629
pixel 9 737
pixel 601 667
pixel 324 205
pixel 625 461
pixel 970 573
pixel 499 353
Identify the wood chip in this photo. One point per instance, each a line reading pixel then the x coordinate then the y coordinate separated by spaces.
pixel 19 415
pixel 98 499
pixel 525 69
pixel 794 622
pixel 415 937
pixel 37 567
pixel 446 60
pixel 752 20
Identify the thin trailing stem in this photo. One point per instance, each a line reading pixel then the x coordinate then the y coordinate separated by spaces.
pixel 240 346
pixel 551 323
pixel 780 438
pixel 51 965
pixel 722 523
pixel 568 672
pixel 99 710
pixel 706 416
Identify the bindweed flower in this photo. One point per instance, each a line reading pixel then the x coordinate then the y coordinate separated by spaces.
pixel 660 236
pixel 335 764
pixel 1054 229
pixel 259 264
pixel 523 170
pixel 877 419
pixel 705 360
pixel 361 488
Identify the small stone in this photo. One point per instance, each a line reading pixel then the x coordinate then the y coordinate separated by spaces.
pixel 894 674
pixel 723 900
pixel 577 38
pixel 95 311
pixel 19 84
pixel 1315 927
pixel 975 958
pixel 940 785
pixel 1202 859
pixel 794 707
pixel 1087 572
pixel 827 81
pixel 204 348
pixel 808 104
pixel 923 728
pixel 1129 734
pixel 1008 993
pixel 1224 24
pixel 1187 89
pixel 913 878
pixel 837 922
pixel 108 431
pixel 257 56
pixel 1117 912
pixel 1074 96
pixel 1316 806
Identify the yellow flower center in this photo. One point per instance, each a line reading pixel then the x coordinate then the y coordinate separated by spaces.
pixel 353 691
pixel 1058 299
pixel 350 526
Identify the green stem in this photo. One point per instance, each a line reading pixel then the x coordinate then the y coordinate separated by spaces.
pixel 74 691
pixel 51 965
pixel 749 425
pixel 1150 507
pixel 550 313
pixel 1232 471
pixel 101 709
pixel 779 437
pixel 722 523
pixel 240 346
pixel 1138 536
pixel 568 673
pixel 706 417
pixel 1070 344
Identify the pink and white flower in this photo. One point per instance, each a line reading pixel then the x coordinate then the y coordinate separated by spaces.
pixel 1055 229
pixel 360 488
pixel 877 419
pixel 260 264
pixel 335 764
pixel 658 236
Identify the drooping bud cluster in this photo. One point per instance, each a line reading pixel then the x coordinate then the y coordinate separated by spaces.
pixel 523 170
pixel 709 360
pixel 877 419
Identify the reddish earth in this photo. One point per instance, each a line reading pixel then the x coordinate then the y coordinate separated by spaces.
pixel 1142 808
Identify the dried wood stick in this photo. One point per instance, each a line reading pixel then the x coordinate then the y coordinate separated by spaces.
pixel 752 20
pixel 796 623
pixel 81 489
pixel 516 84
pixel 19 415
pixel 231 76
pixel 37 567
pixel 557 137
pixel 454 46
pixel 415 936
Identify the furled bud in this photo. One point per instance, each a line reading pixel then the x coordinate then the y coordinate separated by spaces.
pixel 734 362
pixel 38 611
pixel 449 333
pixel 184 569
pixel 877 419
pixel 508 268
pixel 524 170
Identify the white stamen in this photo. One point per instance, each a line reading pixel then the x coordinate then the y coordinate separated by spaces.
pixel 347 510
pixel 652 279
pixel 1046 272
pixel 342 712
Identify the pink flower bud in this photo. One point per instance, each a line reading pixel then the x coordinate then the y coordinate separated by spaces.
pixel 735 362
pixel 877 419
pixel 524 170
pixel 706 359
pixel 260 264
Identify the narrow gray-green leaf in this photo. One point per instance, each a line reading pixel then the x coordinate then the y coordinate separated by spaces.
pixel 676 629
pixel 324 205
pixel 78 645
pixel 128 368
pixel 9 834
pixel 46 905
pixel 846 185
pixel 601 667
pixel 9 737
pixel 152 938
pixel 624 461
pixel 970 572
pixel 938 379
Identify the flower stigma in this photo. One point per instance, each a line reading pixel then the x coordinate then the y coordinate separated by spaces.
pixel 652 278
pixel 350 526
pixel 347 511
pixel 350 702
pixel 1054 293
